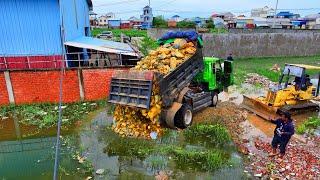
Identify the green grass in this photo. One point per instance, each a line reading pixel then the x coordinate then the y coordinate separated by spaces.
pixel 262 66
pixel 309 125
pixel 117 32
pixel 208 134
pixel 218 31
pixel 148 44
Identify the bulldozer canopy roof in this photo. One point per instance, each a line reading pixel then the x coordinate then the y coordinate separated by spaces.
pixel 308 67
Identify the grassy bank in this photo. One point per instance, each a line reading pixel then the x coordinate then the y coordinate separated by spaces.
pixel 262 66
pixel 117 32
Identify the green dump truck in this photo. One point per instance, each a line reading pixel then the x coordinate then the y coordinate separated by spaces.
pixel 191 87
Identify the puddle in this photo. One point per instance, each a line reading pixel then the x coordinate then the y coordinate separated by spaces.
pixel 25 156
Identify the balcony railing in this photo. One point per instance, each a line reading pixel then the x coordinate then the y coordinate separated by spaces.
pixel 69 60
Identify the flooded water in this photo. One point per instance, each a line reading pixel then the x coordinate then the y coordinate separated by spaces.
pixel 27 153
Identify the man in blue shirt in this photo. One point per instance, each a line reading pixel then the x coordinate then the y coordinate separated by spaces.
pixel 282 133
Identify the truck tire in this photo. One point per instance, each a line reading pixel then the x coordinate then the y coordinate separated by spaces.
pixel 184 117
pixel 215 99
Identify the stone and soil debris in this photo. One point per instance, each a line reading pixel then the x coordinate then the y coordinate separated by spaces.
pixel 254 79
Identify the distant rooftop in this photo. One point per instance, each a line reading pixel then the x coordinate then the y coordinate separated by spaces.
pixel 285 13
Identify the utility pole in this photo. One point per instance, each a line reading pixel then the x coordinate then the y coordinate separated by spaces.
pixel 149 2
pixel 274 16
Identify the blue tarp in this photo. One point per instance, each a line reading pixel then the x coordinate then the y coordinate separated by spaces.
pixel 189 35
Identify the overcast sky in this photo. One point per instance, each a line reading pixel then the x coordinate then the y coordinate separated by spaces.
pixel 203 8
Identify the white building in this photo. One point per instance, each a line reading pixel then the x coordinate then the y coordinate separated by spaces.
pixel 103 20
pixel 218 22
pixel 262 12
pixel 260 22
pixel 313 21
pixel 147 17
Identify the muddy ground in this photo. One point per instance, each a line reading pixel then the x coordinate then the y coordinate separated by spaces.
pixel 253 137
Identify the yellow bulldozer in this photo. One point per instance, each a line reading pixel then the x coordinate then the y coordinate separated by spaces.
pixel 294 93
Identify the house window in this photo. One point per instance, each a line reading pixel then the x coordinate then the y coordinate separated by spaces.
pixel 105 20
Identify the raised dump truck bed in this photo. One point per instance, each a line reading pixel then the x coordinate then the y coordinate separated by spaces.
pixel 134 88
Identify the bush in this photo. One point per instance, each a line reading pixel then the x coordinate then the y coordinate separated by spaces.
pixel 159 22
pixel 117 32
pixel 186 24
pixel 210 24
pixel 148 44
pixel 311 123
pixel 301 129
pixel 203 160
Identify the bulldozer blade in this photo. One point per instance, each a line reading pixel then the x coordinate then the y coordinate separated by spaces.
pixel 259 108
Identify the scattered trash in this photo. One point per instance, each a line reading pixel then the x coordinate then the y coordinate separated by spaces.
pixel 275 68
pixel 153 135
pixel 81 159
pixel 162 175
pixel 100 171
pixel 258 175
pixel 254 79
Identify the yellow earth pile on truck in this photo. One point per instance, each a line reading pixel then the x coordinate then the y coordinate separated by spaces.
pixel 131 121
pixel 166 87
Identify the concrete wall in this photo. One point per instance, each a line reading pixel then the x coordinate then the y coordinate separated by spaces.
pixel 257 43
pixel 240 31
pixel 262 44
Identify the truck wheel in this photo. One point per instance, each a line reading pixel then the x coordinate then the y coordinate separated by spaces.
pixel 184 117
pixel 215 99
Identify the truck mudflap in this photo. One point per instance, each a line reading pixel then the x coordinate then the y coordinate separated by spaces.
pixel 169 114
pixel 131 88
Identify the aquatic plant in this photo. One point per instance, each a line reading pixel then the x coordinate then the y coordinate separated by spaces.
pixel 199 159
pixel 155 162
pixel 130 147
pixel 46 115
pixel 208 134
pixel 186 157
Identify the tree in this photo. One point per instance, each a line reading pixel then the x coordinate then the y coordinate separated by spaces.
pixel 186 24
pixel 210 24
pixel 159 22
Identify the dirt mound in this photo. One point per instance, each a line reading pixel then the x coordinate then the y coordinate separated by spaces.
pixel 254 79
pixel 227 114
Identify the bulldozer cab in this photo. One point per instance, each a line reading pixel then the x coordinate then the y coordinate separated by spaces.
pixel 301 80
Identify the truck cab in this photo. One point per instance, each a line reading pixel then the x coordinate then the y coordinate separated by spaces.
pixel 216 75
